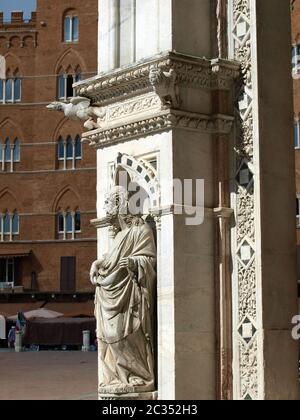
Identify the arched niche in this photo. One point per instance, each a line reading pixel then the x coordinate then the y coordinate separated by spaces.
pixel 141 174
pixel 142 178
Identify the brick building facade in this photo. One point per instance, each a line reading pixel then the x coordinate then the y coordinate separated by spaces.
pixel 47 177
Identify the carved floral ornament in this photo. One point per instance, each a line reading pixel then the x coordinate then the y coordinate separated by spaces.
pixel 165 121
pixel 146 99
pixel 188 71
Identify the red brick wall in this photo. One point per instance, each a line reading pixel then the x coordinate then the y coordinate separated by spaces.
pixel 39 185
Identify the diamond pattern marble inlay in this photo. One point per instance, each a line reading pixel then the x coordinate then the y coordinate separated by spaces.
pixel 247 330
pixel 244 176
pixel 246 253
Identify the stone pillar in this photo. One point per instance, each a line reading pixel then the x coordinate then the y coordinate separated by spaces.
pixel 164 109
pixel 18 342
pixel 86 335
pixel 265 358
pixel 171 116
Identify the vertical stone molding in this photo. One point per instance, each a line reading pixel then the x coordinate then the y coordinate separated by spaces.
pixel 245 282
pixel 256 283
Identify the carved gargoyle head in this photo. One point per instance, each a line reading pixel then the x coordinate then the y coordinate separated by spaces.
pixel 56 106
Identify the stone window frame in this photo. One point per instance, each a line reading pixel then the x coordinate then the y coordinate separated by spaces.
pixel 75 157
pixel 15 153
pixel 3 93
pixel 62 84
pixel 12 232
pixel 64 214
pixel 70 17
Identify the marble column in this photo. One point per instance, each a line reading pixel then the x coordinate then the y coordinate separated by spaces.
pixel 226 287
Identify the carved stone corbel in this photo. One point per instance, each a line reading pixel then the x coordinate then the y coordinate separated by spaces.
pixel 165 86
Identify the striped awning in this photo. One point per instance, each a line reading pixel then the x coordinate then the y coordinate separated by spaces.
pixel 14 254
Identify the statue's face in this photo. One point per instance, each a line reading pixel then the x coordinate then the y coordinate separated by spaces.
pixel 116 202
pixel 154 76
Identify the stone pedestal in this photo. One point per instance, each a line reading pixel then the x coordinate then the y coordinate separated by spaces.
pixel 226 287
pixel 146 396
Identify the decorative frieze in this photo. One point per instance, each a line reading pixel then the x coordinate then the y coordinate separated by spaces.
pixel 162 121
pixel 184 71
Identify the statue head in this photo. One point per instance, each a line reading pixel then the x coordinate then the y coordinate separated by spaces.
pixel 155 75
pixel 116 202
pixel 56 106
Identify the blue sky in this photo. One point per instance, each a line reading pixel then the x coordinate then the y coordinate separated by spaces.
pixel 7 6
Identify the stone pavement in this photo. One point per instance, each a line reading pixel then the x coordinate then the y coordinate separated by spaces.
pixel 48 376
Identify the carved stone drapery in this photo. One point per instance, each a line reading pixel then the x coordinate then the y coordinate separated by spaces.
pixel 125 280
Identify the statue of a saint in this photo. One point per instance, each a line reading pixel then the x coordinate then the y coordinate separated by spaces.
pixel 125 285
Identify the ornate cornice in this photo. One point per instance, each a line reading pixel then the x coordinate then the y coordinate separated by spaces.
pixel 161 121
pixel 192 72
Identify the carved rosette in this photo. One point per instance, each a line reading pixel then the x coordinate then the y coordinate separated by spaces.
pixel 246 372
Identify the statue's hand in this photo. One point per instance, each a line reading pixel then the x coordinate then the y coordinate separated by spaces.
pixel 94 273
pixel 128 263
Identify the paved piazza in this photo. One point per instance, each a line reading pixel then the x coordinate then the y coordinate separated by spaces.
pixel 48 376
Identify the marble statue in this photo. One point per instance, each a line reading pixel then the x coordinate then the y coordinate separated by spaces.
pixel 124 303
pixel 80 109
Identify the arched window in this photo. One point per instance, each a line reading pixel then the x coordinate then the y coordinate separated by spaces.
pixel 77 221
pixel 61 149
pixel 71 28
pixel 9 90
pixel 78 150
pixel 6 224
pixel 70 80
pixel 10 224
pixel 17 90
pixel 7 150
pixel 15 223
pixel 78 77
pixel 17 153
pixel 61 87
pixel 1 90
pixel 61 223
pixel 67 29
pixel 69 148
pixel 75 28
pixel 10 86
pixel 65 85
pixel 69 222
